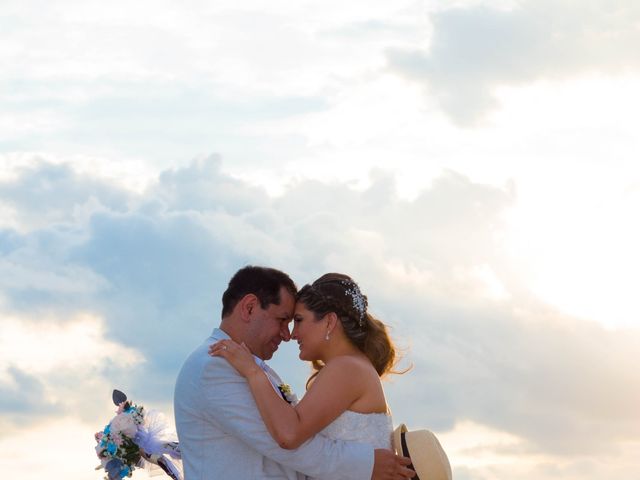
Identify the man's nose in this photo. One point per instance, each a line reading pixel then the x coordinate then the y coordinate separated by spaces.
pixel 284 333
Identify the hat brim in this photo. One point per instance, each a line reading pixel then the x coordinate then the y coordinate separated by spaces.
pixel 429 459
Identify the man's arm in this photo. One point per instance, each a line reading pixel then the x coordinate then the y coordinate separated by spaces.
pixel 337 386
pixel 232 407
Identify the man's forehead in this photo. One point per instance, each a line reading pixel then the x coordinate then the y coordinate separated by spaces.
pixel 286 306
pixel 287 302
pixel 286 296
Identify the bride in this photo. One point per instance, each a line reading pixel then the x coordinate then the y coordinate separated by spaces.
pixel 350 351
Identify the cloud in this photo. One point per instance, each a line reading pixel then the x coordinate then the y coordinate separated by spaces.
pixel 25 395
pixel 475 50
pixel 538 375
pixel 23 451
pixel 153 268
pixel 45 192
pixel 52 366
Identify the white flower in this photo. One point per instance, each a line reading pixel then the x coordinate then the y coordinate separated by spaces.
pixel 287 393
pixel 125 424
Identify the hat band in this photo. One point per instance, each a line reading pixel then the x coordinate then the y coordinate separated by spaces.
pixel 405 452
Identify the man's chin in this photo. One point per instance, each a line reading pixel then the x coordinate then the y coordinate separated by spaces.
pixel 269 355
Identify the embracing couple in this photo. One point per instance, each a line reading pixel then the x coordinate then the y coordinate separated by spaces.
pixel 237 419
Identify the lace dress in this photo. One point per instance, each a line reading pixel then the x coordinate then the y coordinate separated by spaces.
pixel 372 428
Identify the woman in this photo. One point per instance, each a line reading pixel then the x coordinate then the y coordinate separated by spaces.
pixel 350 351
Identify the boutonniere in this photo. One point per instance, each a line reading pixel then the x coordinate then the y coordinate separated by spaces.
pixel 287 393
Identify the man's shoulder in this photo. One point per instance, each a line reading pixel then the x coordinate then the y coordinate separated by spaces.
pixel 199 365
pixel 203 376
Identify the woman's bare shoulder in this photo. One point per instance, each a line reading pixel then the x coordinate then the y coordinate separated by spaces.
pixel 350 365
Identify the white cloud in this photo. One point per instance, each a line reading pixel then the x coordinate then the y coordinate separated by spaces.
pixel 54 366
pixel 46 345
pixel 484 453
pixel 476 48
pixel 62 447
pixel 107 96
pixel 47 277
pixel 507 362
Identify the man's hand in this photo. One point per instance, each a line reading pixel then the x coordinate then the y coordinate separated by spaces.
pixel 389 466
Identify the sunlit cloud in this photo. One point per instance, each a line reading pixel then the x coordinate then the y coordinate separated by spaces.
pixel 485 349
pixel 47 361
pixel 62 446
pixel 472 163
pixel 475 49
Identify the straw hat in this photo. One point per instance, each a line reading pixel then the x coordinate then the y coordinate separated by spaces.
pixel 429 460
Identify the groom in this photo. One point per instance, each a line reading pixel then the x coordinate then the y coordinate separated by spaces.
pixel 220 429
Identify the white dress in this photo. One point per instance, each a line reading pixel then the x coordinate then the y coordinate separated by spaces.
pixel 374 429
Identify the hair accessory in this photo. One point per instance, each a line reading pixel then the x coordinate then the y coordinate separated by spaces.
pixel 358 300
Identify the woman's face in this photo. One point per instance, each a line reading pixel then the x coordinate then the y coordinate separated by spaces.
pixel 308 332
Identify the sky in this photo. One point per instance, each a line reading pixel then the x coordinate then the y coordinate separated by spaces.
pixel 471 163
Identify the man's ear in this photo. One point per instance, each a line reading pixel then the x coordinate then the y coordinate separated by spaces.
pixel 247 305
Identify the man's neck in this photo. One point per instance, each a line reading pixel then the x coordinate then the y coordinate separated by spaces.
pixel 230 329
pixel 236 334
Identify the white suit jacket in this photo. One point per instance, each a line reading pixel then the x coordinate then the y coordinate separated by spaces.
pixel 223 436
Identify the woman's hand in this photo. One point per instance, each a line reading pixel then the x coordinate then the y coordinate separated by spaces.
pixel 239 356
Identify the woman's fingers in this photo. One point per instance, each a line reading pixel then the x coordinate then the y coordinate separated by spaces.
pixel 221 347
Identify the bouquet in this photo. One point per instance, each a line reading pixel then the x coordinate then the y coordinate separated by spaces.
pixel 134 439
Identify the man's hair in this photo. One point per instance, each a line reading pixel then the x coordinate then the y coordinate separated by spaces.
pixel 265 283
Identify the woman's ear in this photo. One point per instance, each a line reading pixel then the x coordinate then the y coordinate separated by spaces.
pixel 247 305
pixel 332 321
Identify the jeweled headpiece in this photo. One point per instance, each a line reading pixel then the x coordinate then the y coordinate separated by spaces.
pixel 358 300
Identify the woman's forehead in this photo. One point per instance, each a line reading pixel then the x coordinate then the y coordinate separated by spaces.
pixel 301 308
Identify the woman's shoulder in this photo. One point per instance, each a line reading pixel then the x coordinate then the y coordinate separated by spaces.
pixel 358 378
pixel 351 364
pixel 346 374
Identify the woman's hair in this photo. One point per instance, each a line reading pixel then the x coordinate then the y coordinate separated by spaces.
pixel 335 292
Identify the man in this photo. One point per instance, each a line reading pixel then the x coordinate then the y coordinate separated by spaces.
pixel 220 429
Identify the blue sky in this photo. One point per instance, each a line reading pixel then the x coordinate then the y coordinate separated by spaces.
pixel 472 164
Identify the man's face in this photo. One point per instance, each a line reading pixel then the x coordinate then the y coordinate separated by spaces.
pixel 269 326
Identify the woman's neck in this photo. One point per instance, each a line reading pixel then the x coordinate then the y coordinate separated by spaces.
pixel 339 347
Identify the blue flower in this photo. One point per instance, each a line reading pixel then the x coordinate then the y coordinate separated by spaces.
pixel 112 448
pixel 107 429
pixel 114 468
pixel 124 472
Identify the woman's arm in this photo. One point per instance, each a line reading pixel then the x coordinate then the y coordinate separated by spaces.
pixel 334 390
